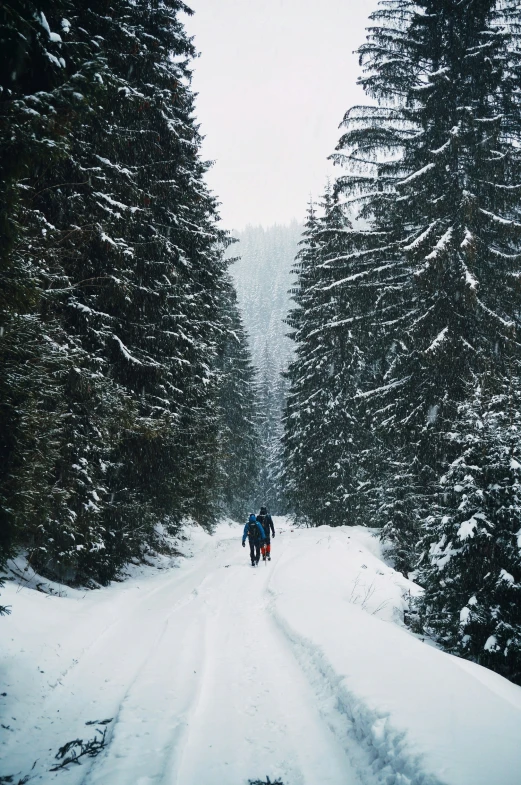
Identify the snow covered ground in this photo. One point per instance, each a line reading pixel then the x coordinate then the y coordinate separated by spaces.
pixel 214 672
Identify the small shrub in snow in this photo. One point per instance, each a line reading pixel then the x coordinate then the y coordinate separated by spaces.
pixel 77 748
pixel 267 781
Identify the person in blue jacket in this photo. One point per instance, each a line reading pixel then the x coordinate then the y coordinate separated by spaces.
pixel 255 534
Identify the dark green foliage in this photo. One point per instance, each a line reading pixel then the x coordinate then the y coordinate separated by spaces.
pixel 113 275
pixel 402 506
pixel 434 168
pixel 41 74
pixel 427 301
pixel 271 395
pixel 137 284
pixel 325 434
pixel 239 447
pixel 446 207
pixel 471 566
pixel 301 490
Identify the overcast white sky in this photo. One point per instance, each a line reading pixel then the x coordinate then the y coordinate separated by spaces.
pixel 274 78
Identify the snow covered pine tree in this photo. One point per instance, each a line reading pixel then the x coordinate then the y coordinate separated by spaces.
pixel 471 569
pixel 239 458
pixel 129 292
pixel 440 185
pixel 325 434
pixel 41 76
pixel 303 416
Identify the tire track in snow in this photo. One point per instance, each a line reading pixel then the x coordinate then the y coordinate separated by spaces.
pixel 175 581
pixel 203 686
pixel 361 733
pixel 154 714
pixel 255 714
pixel 97 684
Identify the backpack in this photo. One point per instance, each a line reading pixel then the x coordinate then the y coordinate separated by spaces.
pixel 253 529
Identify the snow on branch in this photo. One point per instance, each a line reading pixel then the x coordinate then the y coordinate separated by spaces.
pixel 363 274
pixel 440 338
pixel 416 175
pixel 441 72
pixel 504 322
pixel 115 203
pixel 442 149
pixel 384 389
pixel 421 237
pixel 127 355
pixel 498 220
pixel 441 245
pixel 470 280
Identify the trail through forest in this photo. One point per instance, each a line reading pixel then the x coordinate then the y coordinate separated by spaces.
pixel 198 679
pixel 214 673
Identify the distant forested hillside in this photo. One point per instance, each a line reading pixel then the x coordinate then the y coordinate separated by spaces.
pixel 263 278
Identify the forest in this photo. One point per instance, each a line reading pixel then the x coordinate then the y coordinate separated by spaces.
pixel 403 410
pixel 133 398
pixel 122 345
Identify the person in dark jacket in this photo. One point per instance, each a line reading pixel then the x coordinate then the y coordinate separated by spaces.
pixel 265 520
pixel 255 534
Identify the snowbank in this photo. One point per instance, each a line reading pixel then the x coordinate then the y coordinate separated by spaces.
pixel 425 717
pixel 68 655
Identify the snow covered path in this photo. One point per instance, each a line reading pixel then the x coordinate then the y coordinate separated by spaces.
pixel 219 698
pixel 214 673
pixel 201 684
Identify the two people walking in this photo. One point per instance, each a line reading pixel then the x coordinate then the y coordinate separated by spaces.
pixel 258 532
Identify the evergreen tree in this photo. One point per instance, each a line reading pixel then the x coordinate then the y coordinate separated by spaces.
pixel 345 438
pixel 471 568
pixel 136 289
pixel 125 308
pixel 374 274
pixel 271 397
pixel 435 167
pixel 240 452
pixel 327 437
pixel 311 457
pixel 42 71
pixel 435 170
pixel 302 419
